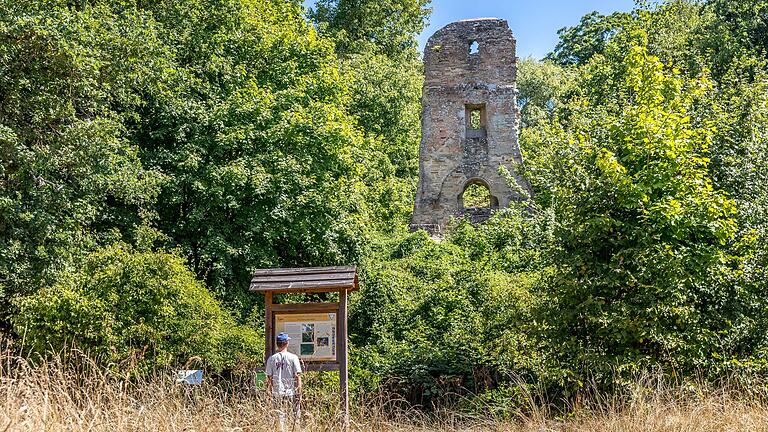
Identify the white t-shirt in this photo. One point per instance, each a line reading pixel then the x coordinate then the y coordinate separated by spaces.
pixel 283 367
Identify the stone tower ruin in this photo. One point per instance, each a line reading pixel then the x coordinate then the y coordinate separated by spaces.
pixel 469 122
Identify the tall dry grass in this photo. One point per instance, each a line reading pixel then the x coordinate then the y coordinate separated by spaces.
pixel 58 395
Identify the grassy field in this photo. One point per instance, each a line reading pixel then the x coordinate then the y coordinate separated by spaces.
pixel 54 398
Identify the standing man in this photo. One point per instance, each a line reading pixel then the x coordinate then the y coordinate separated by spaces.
pixel 284 381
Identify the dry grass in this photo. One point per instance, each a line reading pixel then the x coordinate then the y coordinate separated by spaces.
pixel 52 397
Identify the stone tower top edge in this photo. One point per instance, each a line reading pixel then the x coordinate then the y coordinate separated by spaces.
pixel 480 19
pixel 471 51
pixel 469 28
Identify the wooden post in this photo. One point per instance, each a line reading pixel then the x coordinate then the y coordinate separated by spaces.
pixel 342 358
pixel 269 337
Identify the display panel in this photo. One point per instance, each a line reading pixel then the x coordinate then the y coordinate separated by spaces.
pixel 313 335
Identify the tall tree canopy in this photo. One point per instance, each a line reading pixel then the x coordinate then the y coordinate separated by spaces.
pixel 391 26
pixel 71 83
pixel 256 142
pixel 220 127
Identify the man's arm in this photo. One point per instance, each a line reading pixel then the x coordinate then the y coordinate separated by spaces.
pixel 298 383
pixel 269 369
pixel 297 376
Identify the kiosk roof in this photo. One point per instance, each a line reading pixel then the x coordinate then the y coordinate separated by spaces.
pixel 305 279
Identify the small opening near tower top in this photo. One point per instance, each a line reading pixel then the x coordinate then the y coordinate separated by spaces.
pixel 474 47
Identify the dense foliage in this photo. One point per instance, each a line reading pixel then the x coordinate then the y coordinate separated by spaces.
pixel 69 177
pixel 655 192
pixel 152 154
pixel 643 246
pixel 228 130
pixel 137 309
pixel 644 272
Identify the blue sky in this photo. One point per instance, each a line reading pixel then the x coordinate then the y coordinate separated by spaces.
pixel 534 22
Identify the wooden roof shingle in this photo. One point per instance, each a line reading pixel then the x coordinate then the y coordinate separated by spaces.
pixel 305 279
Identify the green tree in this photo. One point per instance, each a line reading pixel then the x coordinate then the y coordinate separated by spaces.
pixel 737 29
pixel 376 42
pixel 385 99
pixel 645 274
pixel 388 26
pixel 580 43
pixel 255 141
pixel 675 30
pixel 541 85
pixel 70 178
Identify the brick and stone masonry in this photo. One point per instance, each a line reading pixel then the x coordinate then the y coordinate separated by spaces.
pixel 469 122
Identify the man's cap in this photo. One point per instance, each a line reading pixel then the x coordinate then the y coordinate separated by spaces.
pixel 282 337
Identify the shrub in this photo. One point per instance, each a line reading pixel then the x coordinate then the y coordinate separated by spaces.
pixel 436 319
pixel 135 309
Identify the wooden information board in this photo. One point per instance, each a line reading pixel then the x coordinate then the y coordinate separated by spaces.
pixel 318 331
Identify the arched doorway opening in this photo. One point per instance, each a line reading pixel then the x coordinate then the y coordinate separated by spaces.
pixel 476 196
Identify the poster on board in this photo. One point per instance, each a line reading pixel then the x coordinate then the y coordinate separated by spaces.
pixel 313 335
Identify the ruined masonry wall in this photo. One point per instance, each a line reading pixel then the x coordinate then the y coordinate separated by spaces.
pixel 453 154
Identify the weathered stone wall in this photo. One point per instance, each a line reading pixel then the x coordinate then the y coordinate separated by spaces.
pixel 453 153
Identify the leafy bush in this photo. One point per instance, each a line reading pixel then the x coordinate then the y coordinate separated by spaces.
pixel 136 309
pixel 439 318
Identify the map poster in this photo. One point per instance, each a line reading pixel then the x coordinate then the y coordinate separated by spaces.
pixel 313 335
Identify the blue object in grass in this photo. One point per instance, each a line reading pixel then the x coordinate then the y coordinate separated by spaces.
pixel 192 376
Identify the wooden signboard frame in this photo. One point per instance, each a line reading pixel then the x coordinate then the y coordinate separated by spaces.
pixel 311 280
